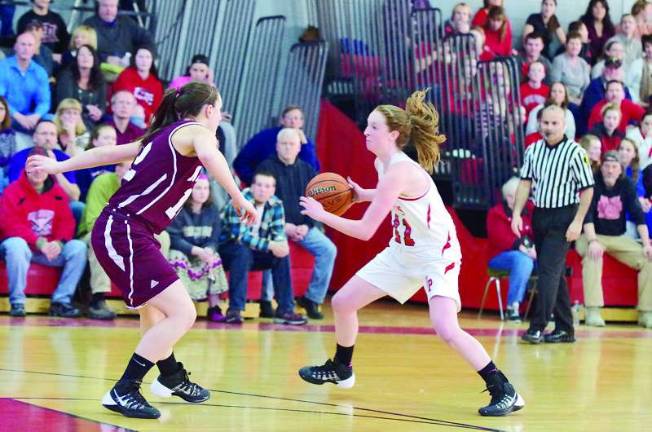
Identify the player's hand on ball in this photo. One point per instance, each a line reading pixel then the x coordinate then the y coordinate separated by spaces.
pixel 311 207
pixel 357 190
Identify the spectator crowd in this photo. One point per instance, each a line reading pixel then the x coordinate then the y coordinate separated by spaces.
pixel 63 93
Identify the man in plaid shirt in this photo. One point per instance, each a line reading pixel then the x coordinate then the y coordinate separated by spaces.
pixel 258 247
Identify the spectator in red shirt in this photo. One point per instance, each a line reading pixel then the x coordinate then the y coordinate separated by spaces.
pixel 607 130
pixel 37 225
pixel 615 93
pixel 141 80
pixel 534 92
pixel 480 18
pixel 498 33
pixel 508 252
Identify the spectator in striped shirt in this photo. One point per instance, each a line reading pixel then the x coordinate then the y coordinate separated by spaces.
pixel 258 247
pixel 560 171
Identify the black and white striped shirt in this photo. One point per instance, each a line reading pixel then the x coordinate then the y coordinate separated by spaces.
pixel 558 172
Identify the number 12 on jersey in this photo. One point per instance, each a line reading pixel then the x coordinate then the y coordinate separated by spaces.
pixel 396 223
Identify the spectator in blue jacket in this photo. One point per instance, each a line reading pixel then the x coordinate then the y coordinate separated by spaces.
pixel 25 85
pixel 263 145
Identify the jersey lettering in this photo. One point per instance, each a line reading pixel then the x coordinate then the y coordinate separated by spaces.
pixel 171 212
pixel 407 239
pixel 132 172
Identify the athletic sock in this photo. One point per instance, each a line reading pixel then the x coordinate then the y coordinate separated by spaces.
pixel 168 366
pixel 136 370
pixel 487 371
pixel 96 299
pixel 343 355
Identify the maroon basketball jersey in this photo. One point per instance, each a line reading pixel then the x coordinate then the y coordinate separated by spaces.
pixel 159 181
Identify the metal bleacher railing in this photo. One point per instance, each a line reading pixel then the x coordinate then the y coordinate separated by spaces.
pixel 382 50
pixel 304 81
pixel 256 74
pixel 229 59
pixel 263 61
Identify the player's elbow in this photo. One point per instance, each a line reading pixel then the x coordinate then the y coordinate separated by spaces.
pixel 367 230
pixel 366 235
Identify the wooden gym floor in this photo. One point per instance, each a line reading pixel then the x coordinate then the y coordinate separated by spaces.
pixel 53 373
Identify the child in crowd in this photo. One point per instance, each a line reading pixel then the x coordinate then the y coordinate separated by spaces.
pixel 194 235
pixel 593 147
pixel 498 35
pixel 534 92
pixel 607 130
pixel 460 20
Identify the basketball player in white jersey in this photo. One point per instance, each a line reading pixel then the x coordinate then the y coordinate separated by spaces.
pixel 423 251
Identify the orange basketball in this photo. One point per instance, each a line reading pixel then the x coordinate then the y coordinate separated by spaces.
pixel 332 191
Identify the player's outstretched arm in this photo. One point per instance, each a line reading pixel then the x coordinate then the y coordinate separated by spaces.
pixel 105 155
pixel 206 148
pixel 386 194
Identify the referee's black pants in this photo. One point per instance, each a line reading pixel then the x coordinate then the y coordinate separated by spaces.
pixel 550 227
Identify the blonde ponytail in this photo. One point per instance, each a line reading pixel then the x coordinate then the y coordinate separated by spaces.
pixel 419 123
pixel 425 136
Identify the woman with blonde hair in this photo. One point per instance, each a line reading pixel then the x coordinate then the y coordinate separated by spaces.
pixel 82 35
pixel 423 251
pixel 73 136
pixel 593 147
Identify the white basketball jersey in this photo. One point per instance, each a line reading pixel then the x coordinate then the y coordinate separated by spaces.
pixel 421 226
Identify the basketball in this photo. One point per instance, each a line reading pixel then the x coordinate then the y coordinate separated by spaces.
pixel 332 191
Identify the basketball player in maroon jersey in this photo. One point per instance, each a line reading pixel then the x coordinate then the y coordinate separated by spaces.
pixel 167 161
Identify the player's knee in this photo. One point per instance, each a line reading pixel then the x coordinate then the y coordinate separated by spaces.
pixel 340 303
pixel 188 314
pixel 446 331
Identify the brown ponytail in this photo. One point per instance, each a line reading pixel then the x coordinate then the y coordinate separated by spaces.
pixel 418 122
pixel 179 104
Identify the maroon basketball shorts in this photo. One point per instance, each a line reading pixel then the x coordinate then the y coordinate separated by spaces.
pixel 130 255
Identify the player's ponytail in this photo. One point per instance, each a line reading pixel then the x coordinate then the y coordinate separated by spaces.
pixel 425 136
pixel 181 103
pixel 418 123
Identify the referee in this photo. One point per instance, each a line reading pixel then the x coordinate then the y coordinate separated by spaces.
pixel 563 188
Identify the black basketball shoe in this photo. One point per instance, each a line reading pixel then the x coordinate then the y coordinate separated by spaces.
pixel 504 398
pixel 330 372
pixel 179 384
pixel 559 336
pixel 127 400
pixel 532 336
